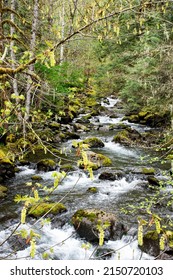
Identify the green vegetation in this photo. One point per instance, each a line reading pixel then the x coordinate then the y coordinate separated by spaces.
pixel 58 59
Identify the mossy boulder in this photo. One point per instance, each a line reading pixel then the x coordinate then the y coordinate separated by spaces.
pixel 94 142
pixel 153 181
pixel 148 171
pixel 151 243
pixel 36 178
pixel 87 221
pixel 147 117
pixel 80 127
pixel 46 165
pixel 107 176
pixel 40 209
pixel 122 137
pixel 67 167
pixel 132 118
pixel 7 168
pixel 92 190
pixel 3 191
pixel 84 119
pixel 95 161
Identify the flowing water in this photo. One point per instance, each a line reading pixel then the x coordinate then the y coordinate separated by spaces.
pixel 111 196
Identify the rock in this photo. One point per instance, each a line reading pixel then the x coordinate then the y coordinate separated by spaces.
pixel 107 176
pixel 95 161
pixel 153 181
pixel 84 119
pixel 36 178
pixel 67 167
pixel 7 168
pixel 71 135
pixel 94 142
pixel 118 126
pixel 151 243
pixel 80 127
pixel 127 137
pixel 87 221
pixel 92 190
pixel 149 118
pixel 38 210
pixel 148 171
pixel 46 165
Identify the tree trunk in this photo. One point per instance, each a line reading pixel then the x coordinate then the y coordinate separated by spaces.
pixel 13 56
pixel 29 86
pixel 62 33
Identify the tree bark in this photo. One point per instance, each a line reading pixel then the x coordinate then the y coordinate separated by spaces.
pixel 13 56
pixel 29 86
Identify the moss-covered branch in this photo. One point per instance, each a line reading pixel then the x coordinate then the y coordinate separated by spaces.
pixel 9 22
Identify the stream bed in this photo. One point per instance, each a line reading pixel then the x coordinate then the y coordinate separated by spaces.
pixel 59 238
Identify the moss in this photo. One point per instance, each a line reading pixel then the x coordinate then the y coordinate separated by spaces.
pixel 91 215
pixel 3 189
pixel 42 208
pixel 170 157
pixel 36 178
pixel 142 114
pixel 95 161
pixel 92 190
pixel 148 171
pixel 105 161
pixel 132 118
pixel 67 167
pixel 4 157
pixel 153 235
pixel 46 165
pixel 94 142
pixel 121 137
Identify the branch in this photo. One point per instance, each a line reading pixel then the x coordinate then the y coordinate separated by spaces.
pixel 8 21
pixel 4 54
pixel 7 9
pixel 12 38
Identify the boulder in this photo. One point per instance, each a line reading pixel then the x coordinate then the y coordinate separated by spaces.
pixel 95 161
pixel 94 142
pixel 46 165
pixel 107 176
pixel 151 244
pixel 127 137
pixel 87 221
pixel 38 210
pixel 3 191
pixel 7 168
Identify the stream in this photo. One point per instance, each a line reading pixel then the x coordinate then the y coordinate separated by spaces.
pixel 111 197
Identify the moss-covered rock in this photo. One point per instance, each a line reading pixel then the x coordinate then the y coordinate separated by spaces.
pixel 122 137
pixel 95 161
pixel 36 178
pixel 7 168
pixel 67 167
pixel 94 142
pixel 92 190
pixel 46 165
pixel 153 181
pixel 151 243
pixel 132 118
pixel 148 171
pixel 147 117
pixel 40 209
pixel 3 191
pixel 86 222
